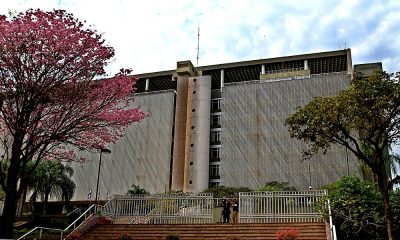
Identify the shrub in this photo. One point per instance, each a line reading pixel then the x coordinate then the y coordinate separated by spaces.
pixel 124 236
pixel 172 236
pixel 287 234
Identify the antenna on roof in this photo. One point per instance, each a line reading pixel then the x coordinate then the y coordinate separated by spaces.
pixel 198 44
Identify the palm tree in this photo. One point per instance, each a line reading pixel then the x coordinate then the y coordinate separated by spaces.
pixel 52 178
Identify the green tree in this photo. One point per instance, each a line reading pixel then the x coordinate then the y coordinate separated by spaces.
pixel 2 194
pixel 276 186
pixel 136 189
pixel 52 178
pixel 222 191
pixel 365 114
pixel 53 104
pixel 357 209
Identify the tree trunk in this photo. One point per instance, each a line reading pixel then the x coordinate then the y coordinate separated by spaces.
pixel 388 215
pixel 11 191
pixel 8 217
pixel 10 203
pixel 383 189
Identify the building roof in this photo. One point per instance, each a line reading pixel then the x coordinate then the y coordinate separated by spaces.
pixel 323 62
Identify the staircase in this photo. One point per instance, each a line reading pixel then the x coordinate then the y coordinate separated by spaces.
pixel 245 231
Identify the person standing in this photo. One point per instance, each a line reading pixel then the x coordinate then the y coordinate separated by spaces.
pixel 235 209
pixel 226 210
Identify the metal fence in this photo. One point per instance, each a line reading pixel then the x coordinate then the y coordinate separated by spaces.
pixel 268 207
pixel 161 208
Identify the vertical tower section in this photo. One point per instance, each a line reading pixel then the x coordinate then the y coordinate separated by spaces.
pixel 197 134
pixel 192 130
pixel 183 72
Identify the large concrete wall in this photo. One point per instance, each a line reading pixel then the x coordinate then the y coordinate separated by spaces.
pixel 141 157
pixel 255 144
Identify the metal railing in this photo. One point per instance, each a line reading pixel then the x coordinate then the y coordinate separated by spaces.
pixel 332 227
pixel 92 209
pixel 40 229
pixel 161 208
pixel 285 70
pixel 267 207
pixel 254 207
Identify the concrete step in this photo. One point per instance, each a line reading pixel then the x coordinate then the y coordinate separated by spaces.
pixel 245 231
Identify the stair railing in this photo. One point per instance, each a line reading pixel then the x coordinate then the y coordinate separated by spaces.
pixel 40 229
pixel 331 226
pixel 86 214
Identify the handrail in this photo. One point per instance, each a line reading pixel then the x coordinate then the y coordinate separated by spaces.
pixel 331 226
pixel 76 210
pixel 62 231
pixel 40 234
pixel 82 215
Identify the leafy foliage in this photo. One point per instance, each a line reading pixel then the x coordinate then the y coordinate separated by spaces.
pixel 276 186
pixel 50 97
pixel 232 237
pixel 365 119
pixel 2 194
pixel 52 178
pixel 124 236
pixel 222 191
pixel 287 234
pixel 136 189
pixel 358 210
pixel 172 236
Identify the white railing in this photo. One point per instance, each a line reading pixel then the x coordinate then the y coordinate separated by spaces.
pixel 254 207
pixel 266 207
pixel 161 208
pixel 285 70
pixel 332 227
pixel 92 209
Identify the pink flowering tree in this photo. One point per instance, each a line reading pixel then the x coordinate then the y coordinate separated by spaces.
pixel 51 102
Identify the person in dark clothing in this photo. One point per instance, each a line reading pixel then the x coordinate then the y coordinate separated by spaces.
pixel 235 209
pixel 226 210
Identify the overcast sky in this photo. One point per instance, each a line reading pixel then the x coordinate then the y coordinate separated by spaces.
pixel 153 35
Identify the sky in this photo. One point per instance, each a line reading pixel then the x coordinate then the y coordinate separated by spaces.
pixel 152 36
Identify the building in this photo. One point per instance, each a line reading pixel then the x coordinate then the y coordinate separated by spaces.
pixel 223 125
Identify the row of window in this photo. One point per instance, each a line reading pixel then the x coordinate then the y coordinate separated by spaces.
pixel 215 139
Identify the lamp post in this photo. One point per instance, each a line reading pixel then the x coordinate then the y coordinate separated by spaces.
pixel 102 150
pixel 309 175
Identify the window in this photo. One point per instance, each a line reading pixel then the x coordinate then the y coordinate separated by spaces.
pixel 215 137
pixel 216 120
pixel 214 152
pixel 214 171
pixel 215 104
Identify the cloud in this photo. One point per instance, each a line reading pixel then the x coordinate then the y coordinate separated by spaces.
pixel 154 35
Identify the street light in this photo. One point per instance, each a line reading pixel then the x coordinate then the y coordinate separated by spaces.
pixel 102 150
pixel 309 175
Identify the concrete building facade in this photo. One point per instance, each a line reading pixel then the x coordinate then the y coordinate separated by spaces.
pixel 223 125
